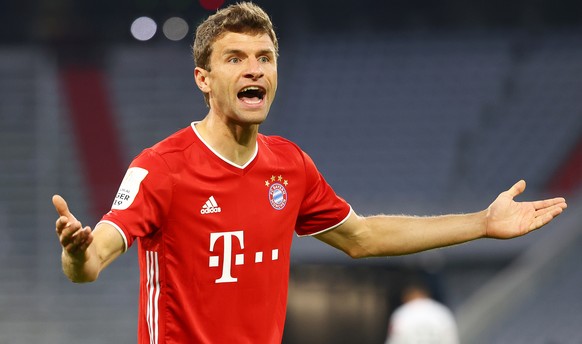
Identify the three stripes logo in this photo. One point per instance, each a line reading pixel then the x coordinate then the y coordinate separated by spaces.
pixel 210 207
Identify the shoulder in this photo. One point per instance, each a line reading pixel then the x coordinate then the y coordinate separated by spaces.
pixel 162 154
pixel 273 141
pixel 282 146
pixel 178 141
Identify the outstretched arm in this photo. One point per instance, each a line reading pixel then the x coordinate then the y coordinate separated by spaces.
pixel 85 252
pixel 385 235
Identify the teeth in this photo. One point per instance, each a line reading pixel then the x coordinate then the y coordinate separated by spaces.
pixel 250 88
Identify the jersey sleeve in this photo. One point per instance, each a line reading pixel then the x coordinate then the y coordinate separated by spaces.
pixel 321 209
pixel 143 198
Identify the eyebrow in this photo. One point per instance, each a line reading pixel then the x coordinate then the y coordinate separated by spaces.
pixel 238 52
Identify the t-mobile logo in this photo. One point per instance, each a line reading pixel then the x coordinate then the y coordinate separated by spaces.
pixel 227 259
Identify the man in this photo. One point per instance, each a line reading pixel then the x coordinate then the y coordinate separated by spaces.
pixel 214 206
pixel 421 319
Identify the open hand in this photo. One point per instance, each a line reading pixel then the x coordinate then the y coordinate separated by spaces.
pixel 74 238
pixel 507 218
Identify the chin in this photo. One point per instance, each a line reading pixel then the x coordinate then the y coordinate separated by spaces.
pixel 253 117
pixel 254 120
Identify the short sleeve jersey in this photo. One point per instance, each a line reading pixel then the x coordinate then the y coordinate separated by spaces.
pixel 214 238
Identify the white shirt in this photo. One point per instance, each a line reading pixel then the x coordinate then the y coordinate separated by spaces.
pixel 422 321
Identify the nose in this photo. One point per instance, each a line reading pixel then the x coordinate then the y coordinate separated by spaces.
pixel 254 70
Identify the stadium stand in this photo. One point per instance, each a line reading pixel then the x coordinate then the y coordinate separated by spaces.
pixel 38 158
pixel 535 123
pixel 393 107
pixel 151 105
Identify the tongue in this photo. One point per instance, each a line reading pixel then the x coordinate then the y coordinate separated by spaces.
pixel 250 100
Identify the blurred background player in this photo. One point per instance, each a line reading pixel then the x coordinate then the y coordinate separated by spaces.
pixel 421 319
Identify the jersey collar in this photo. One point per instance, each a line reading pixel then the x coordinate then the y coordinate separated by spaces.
pixel 242 167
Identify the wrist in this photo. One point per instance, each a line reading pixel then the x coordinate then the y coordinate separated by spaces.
pixel 74 259
pixel 482 222
pixel 76 267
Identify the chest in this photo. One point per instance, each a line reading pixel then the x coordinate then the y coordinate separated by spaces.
pixel 263 203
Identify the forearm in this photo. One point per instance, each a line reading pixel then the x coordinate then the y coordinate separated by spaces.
pixel 385 235
pixel 398 235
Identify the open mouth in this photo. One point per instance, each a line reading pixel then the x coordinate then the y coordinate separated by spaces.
pixel 252 94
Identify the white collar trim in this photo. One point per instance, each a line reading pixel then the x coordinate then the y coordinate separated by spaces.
pixel 193 125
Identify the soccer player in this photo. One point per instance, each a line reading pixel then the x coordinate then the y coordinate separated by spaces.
pixel 421 319
pixel 215 205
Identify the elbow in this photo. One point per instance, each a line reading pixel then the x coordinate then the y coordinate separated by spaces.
pixel 358 247
pixel 357 252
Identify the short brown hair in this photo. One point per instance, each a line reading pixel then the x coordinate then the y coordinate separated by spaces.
pixel 244 17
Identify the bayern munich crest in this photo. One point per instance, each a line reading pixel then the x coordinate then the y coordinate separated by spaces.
pixel 277 192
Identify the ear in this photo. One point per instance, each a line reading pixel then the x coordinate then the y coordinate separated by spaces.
pixel 201 77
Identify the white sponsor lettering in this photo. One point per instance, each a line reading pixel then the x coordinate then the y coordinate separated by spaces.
pixel 210 207
pixel 227 256
pixel 210 210
pixel 228 259
pixel 129 188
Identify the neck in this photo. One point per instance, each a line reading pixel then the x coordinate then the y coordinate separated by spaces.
pixel 235 142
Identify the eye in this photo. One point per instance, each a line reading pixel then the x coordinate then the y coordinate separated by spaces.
pixel 264 59
pixel 233 60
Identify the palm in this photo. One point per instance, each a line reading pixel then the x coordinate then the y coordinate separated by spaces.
pixel 73 236
pixel 507 218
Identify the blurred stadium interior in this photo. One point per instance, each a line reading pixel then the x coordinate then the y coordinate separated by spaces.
pixel 406 107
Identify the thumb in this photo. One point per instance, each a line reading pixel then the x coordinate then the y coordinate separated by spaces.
pixel 61 206
pixel 517 188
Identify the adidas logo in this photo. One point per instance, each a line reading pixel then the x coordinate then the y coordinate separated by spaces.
pixel 210 207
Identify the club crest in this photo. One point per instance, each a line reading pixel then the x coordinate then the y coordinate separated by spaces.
pixel 277 192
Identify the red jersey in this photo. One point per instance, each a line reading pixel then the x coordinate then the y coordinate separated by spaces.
pixel 215 238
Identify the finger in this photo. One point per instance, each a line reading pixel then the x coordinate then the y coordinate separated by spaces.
pixel 79 241
pixel 88 240
pixel 559 201
pixel 61 206
pixel 68 232
pixel 517 188
pixel 540 213
pixel 544 216
pixel 61 223
pixel 64 222
pixel 81 235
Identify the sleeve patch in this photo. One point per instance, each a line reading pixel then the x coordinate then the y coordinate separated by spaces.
pixel 129 188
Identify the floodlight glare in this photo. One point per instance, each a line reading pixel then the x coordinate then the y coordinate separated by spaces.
pixel 175 28
pixel 143 28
